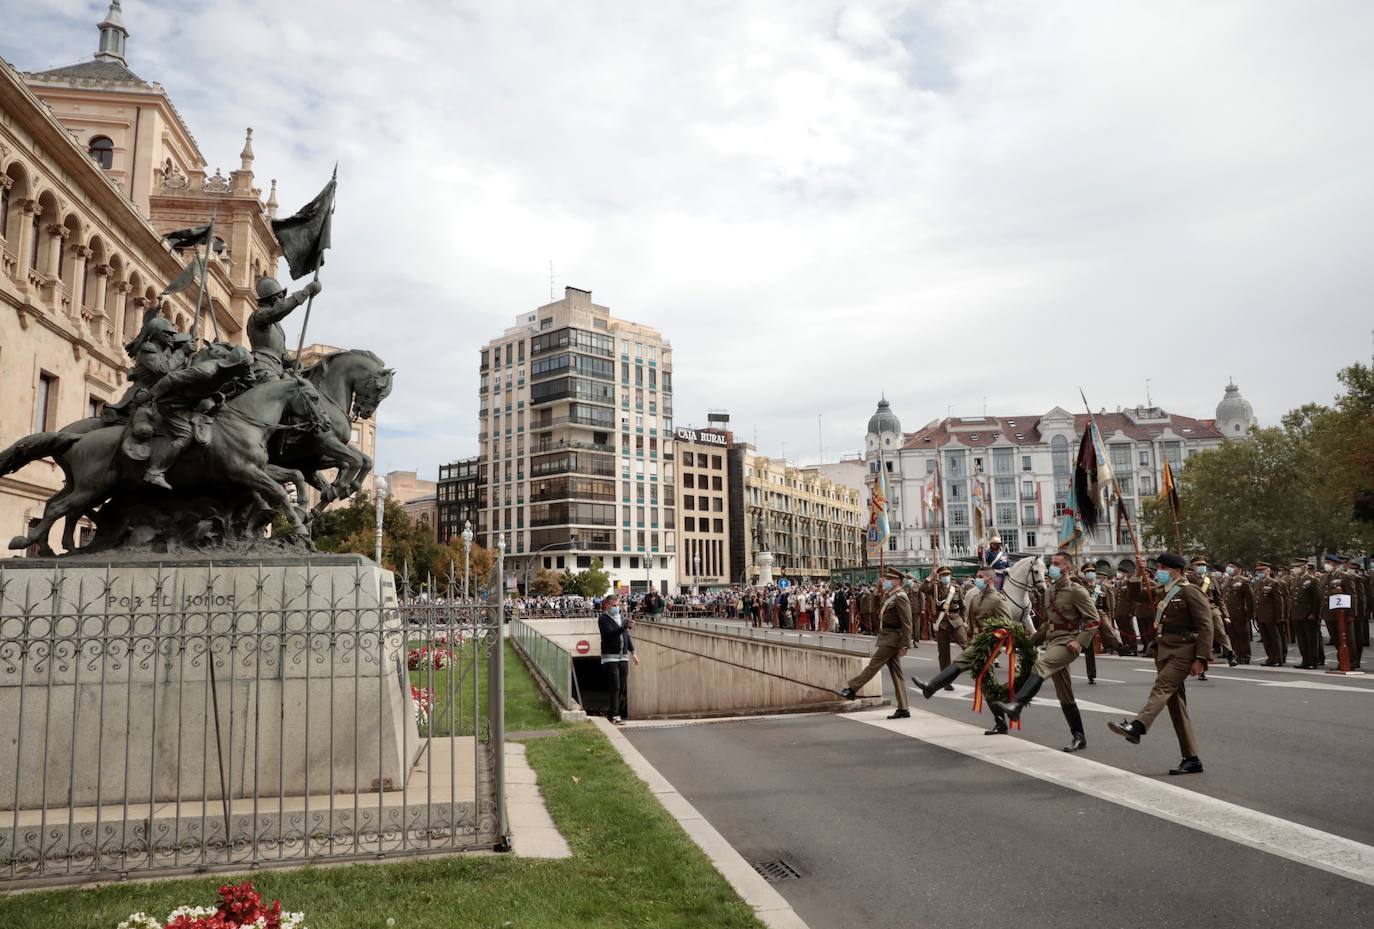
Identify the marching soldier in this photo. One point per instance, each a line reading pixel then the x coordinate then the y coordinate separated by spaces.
pixel 868 610
pixel 1071 624
pixel 1183 648
pixel 1201 577
pixel 1239 598
pixel 1304 595
pixel 1271 615
pixel 894 638
pixel 946 601
pixel 1104 599
pixel 1144 607
pixel 986 602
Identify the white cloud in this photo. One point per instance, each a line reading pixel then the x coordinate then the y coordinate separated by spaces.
pixel 816 201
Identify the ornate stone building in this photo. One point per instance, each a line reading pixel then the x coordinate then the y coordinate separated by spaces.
pixel 96 163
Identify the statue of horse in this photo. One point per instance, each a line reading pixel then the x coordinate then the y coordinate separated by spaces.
pixel 1024 582
pixel 353 384
pixel 236 457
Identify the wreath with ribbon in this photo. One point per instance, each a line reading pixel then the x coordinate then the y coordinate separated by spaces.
pixel 999 637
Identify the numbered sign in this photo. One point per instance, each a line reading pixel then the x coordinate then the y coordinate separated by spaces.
pixel 1338 602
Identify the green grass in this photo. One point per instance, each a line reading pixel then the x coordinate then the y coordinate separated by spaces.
pixel 525 709
pixel 631 866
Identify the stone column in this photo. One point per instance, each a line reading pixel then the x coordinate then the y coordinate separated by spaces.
pixel 102 275
pixel 27 210
pixel 55 231
pixel 121 308
pixel 765 563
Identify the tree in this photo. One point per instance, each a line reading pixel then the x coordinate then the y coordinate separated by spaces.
pixel 353 528
pixel 449 562
pixel 547 583
pixel 590 583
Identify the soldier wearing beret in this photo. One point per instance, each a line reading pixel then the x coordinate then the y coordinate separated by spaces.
pixel 1183 646
pixel 894 638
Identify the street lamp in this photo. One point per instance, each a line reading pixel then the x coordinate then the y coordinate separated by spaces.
pixel 571 543
pixel 379 484
pixel 467 554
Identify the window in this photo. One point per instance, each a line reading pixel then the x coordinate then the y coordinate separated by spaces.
pixel 1030 539
pixel 101 151
pixel 930 465
pixel 1059 454
pixel 1028 514
pixel 1121 456
pixel 688 459
pixel 1025 462
pixel 1001 461
pixel 689 523
pixel 93 407
pixel 715 482
pixel 43 412
pixel 1006 514
pixel 715 464
pixel 1144 457
pixel 4 212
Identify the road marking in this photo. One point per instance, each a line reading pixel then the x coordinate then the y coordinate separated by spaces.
pixel 1303 844
pixel 965 692
pixel 1105 680
pixel 1296 685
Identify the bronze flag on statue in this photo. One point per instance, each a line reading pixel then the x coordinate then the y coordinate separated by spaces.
pixel 305 236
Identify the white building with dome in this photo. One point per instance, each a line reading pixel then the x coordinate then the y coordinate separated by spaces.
pixel 1235 415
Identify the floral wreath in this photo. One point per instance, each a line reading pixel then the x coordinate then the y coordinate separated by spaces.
pixel 999 636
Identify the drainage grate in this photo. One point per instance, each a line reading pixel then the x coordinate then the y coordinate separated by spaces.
pixel 774 871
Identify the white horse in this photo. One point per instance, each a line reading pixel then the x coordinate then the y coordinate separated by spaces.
pixel 1025 579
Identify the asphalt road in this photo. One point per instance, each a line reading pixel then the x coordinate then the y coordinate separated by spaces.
pixel 888 830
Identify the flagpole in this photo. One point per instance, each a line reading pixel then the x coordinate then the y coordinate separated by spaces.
pixel 1116 485
pixel 204 279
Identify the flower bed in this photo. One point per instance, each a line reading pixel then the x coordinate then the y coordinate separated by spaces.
pixel 439 658
pixel 240 907
pixel 424 705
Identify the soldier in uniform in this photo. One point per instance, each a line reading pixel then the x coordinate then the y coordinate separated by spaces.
pixel 1104 600
pixel 1304 596
pixel 1071 624
pixel 265 334
pixel 868 610
pixel 1239 596
pixel 946 601
pixel 1124 608
pixel 1141 594
pixel 1182 650
pixel 1202 577
pixel 894 638
pixel 984 603
pixel 995 557
pixel 1271 615
pixel 1336 580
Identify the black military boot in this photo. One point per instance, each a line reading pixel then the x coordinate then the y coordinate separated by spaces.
pixel 999 724
pixel 1024 695
pixel 1075 721
pixel 1190 765
pixel 900 713
pixel 938 681
pixel 1130 729
pixel 847 694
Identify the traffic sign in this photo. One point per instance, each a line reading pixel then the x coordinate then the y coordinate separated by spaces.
pixel 784 584
pixel 583 646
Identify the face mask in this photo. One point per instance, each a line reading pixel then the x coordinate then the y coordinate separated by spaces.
pixel 1054 572
pixel 979 583
pixel 887 585
pixel 615 611
pixel 1230 570
pixel 1090 576
pixel 1297 571
pixel 1328 567
pixel 1202 570
pixel 1261 575
pixel 1162 577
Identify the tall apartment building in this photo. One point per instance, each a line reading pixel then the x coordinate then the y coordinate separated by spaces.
pixel 812 524
pixel 1026 464
pixel 460 498
pixel 576 410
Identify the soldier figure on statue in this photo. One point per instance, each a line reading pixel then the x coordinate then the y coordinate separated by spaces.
pixel 265 333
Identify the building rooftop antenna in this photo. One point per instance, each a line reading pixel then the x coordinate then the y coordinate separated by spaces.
pixel 1148 400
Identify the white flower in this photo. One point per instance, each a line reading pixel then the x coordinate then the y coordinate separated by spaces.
pixel 140 921
pixel 293 921
pixel 194 912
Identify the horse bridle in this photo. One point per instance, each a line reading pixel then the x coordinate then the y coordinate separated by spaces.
pixel 1029 589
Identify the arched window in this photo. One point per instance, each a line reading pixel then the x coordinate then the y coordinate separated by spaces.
pixel 4 212
pixel 36 236
pixel 102 151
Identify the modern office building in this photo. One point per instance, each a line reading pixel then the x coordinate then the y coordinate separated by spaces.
pixel 576 410
pixel 702 459
pixel 459 499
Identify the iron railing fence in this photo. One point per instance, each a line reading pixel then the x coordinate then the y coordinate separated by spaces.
pixel 184 717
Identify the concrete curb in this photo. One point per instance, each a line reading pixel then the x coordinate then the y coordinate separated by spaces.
pixel 770 907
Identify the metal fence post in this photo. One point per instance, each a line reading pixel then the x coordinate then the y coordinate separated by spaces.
pixel 496 706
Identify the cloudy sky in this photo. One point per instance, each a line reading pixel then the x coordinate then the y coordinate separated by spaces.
pixel 952 202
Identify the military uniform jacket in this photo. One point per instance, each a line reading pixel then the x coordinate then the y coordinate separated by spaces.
pixel 988 603
pixel 1123 608
pixel 895 630
pixel 1270 602
pixel 948 610
pixel 1239 597
pixel 1210 589
pixel 868 603
pixel 1184 620
pixel 1341 582
pixel 1305 596
pixel 1069 614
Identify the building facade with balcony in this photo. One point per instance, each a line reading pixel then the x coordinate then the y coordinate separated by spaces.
pixel 812 525
pixel 1026 465
pixel 575 418
pixel 459 499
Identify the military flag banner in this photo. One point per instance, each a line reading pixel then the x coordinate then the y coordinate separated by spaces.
pixel 1168 493
pixel 878 531
pixel 304 237
pixel 194 271
pixel 1091 475
pixel 979 493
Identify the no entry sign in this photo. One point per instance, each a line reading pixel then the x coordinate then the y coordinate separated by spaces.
pixel 583 646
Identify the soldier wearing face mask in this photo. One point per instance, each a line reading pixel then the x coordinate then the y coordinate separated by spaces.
pixel 894 638
pixel 1338 580
pixel 1304 597
pixel 946 600
pixel 985 602
pixel 1104 598
pixel 1183 619
pixel 1201 577
pixel 1271 615
pixel 1239 597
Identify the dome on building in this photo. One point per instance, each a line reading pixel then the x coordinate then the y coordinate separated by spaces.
pixel 1235 415
pixel 884 420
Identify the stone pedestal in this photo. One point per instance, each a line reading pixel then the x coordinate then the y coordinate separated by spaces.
pixel 139 681
pixel 765 563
